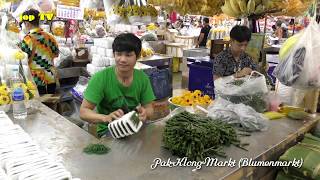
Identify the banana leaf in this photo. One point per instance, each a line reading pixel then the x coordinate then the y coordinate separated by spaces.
pixel 311 161
pixel 309 136
pixel 316 133
pixel 282 176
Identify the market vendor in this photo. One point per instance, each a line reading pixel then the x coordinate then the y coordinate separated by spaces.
pixel 203 37
pixel 41 48
pixel 234 61
pixel 118 89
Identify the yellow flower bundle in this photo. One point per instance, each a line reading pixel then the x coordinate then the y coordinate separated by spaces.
pixel 192 98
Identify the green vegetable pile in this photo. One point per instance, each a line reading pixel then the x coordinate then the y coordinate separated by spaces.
pixel 256 101
pixel 197 137
pixel 237 82
pixel 96 149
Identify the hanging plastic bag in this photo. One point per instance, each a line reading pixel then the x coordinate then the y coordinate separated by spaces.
pixel 45 5
pixel 11 57
pixel 24 5
pixel 249 90
pixel 117 12
pixel 301 67
pixel 58 28
pixel 134 14
pixel 146 50
pixel 245 117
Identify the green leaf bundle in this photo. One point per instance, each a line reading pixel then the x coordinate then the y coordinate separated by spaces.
pixel 197 137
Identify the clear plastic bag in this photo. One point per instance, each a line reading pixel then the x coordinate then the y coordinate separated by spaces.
pixel 58 28
pixel 65 58
pixel 46 5
pixel 301 67
pixel 11 57
pixel 78 90
pixel 116 13
pixel 249 90
pixel 100 31
pixel 146 50
pixel 240 115
pixel 149 36
pixel 251 85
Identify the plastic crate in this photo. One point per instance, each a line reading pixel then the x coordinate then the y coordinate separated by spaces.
pixel 201 78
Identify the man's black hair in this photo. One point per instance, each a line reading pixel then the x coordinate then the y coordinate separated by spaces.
pixel 206 20
pixel 35 13
pixel 240 33
pixel 127 42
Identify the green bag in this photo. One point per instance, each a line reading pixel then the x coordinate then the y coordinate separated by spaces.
pixel 282 176
pixel 311 160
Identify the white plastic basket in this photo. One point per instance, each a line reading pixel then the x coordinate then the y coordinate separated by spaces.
pixel 128 125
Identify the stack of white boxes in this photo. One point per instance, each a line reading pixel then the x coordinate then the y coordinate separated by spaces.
pixel 22 158
pixel 102 55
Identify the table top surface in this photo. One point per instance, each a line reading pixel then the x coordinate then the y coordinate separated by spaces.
pixel 155 57
pixel 131 158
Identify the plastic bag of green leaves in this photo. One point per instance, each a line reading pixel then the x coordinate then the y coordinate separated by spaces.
pixel 250 90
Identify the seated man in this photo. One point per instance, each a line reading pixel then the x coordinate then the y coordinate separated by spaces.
pixel 118 89
pixel 234 61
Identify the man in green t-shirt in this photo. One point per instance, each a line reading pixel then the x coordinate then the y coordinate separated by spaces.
pixel 118 89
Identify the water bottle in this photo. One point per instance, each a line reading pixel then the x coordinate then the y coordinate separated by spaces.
pixel 17 94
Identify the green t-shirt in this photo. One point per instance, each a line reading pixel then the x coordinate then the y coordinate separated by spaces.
pixel 108 94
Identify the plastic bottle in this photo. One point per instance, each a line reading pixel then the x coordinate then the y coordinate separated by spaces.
pixel 18 104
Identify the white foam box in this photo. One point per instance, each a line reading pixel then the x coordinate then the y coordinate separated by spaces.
pixel 112 61
pixel 101 51
pixel 93 49
pixel 104 42
pixel 109 53
pixel 93 69
pixel 106 60
pixel 98 60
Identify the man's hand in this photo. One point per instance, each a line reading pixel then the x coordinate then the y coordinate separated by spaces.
pixel 116 115
pixel 106 118
pixel 243 73
pixel 142 113
pixel 246 71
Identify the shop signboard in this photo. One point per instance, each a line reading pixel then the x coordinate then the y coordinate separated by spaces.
pixel 70 12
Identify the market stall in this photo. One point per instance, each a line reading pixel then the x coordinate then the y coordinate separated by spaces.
pixel 131 158
pixel 248 98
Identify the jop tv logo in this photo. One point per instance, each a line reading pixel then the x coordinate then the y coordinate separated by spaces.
pixel 42 17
